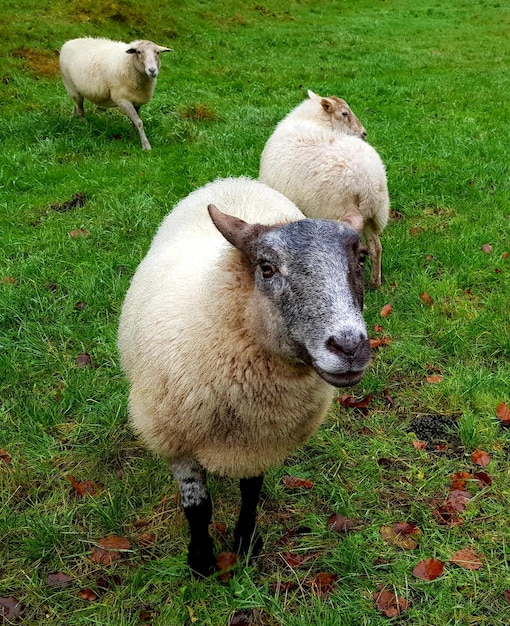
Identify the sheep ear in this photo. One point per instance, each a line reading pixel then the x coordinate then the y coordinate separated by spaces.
pixel 327 105
pixel 312 95
pixel 131 51
pixel 354 218
pixel 163 49
pixel 239 233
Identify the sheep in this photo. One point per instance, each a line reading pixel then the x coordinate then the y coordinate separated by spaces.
pixel 318 158
pixel 237 326
pixel 98 70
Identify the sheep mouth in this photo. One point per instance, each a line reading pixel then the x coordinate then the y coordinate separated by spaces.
pixel 343 379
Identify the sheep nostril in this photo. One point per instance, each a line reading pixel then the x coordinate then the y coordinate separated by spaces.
pixel 345 345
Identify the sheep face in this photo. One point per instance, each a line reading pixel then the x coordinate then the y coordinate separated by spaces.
pixel 310 276
pixel 339 115
pixel 146 57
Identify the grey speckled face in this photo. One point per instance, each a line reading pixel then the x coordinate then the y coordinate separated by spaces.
pixel 312 272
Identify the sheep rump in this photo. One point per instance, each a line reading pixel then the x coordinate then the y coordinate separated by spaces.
pixel 325 167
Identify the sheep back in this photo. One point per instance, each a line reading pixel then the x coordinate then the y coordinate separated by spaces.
pixel 202 382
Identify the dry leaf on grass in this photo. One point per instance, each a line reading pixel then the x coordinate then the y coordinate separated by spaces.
pixel 225 561
pixel 401 534
pixel 467 559
pixel 58 579
pixel 84 487
pixel 340 524
pixel 387 310
pixel 388 603
pixel 503 413
pixel 426 299
pixel 293 482
pixel 10 608
pixel 109 549
pixel 480 457
pixel 428 569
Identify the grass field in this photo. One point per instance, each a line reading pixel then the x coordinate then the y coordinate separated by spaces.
pixel 79 204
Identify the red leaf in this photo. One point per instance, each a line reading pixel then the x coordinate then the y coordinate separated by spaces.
pixel 387 310
pixel 483 479
pixel 225 561
pixel 350 402
pixel 293 482
pixel 5 457
pixel 84 360
pixel 58 579
pixel 428 569
pixel 503 413
pixel 419 445
pixel 293 560
pixel 340 524
pixel 109 549
pixel 377 343
pixel 507 596
pixel 388 603
pixel 10 608
pixel 459 480
pixel 467 559
pixel 88 595
pixel 426 299
pixel 458 499
pixel 487 248
pixel 323 583
pixel 480 457
pixel 84 487
pixel 378 328
pixel 435 378
pixel 79 232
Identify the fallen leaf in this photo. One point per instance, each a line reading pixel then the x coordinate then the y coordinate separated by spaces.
pixel 483 479
pixel 487 248
pixel 110 549
pixel 88 595
pixel 10 608
pixel 84 360
pixel 8 280
pixel 225 561
pixel 340 524
pixel 283 586
pixel 378 328
pixel 292 533
pixel 377 343
pixel 148 614
pixel 58 579
pixel 458 499
pixel 480 457
pixel 428 569
pixel 84 487
pixel 401 535
pixel 459 480
pixel 350 402
pixel 220 528
pixel 419 445
pixel 79 232
pixel 415 231
pixel 293 482
pixel 388 603
pixel 503 413
pixel 293 560
pixel 506 595
pixel 387 310
pixel 324 583
pixel 504 255
pixel 435 378
pixel 426 299
pixel 104 583
pixel 5 457
pixel 467 559
pixel 388 397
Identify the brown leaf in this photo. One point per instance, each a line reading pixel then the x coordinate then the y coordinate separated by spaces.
pixel 506 595
pixel 340 524
pixel 480 457
pixel 88 595
pixel 378 328
pixel 387 310
pixel 503 413
pixel 377 343
pixel 287 537
pixel 79 232
pixel 419 445
pixel 10 608
pixel 504 255
pixel 459 480
pixel 225 561
pixel 458 499
pixel 110 549
pixel 487 248
pixel 428 569
pixel 220 528
pixel 483 479
pixel 426 299
pixel 467 559
pixel 350 402
pixel 293 560
pixel 415 231
pixel 84 360
pixel 8 280
pixel 401 534
pixel 58 579
pixel 435 378
pixel 293 482
pixel 388 603
pixel 324 583
pixel 84 487
pixel 5 457
pixel 388 397
pixel 283 586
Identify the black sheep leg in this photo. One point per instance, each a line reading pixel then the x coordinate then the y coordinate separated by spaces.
pixel 198 510
pixel 246 539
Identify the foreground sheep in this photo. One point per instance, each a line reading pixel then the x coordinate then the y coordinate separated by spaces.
pixel 236 328
pixel 317 158
pixel 111 73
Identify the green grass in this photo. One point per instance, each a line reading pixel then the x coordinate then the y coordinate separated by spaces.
pixel 429 81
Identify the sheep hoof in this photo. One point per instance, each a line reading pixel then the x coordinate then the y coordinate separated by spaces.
pixel 201 559
pixel 249 545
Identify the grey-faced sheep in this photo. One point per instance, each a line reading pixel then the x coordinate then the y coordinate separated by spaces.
pixel 111 73
pixel 318 158
pixel 238 325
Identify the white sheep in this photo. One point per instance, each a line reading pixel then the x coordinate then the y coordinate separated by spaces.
pixel 111 73
pixel 318 158
pixel 236 328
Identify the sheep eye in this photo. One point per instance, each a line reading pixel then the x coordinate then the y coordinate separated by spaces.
pixel 267 269
pixel 345 114
pixel 362 256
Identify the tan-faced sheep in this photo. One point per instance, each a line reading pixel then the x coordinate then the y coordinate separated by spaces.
pixel 318 158
pixel 236 328
pixel 111 73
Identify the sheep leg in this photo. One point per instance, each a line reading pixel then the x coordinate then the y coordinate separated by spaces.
pixel 246 539
pixel 190 476
pixel 131 111
pixel 375 249
pixel 78 106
